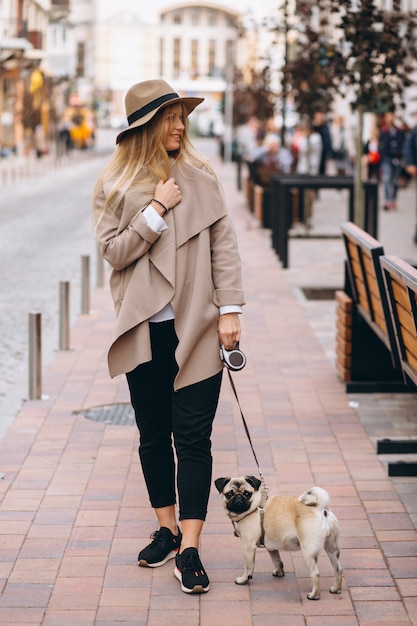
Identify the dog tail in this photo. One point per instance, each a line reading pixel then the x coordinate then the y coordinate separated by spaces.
pixel 316 496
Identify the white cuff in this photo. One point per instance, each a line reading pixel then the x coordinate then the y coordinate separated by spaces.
pixel 230 308
pixel 154 220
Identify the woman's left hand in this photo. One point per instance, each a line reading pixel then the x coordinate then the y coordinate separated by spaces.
pixel 229 330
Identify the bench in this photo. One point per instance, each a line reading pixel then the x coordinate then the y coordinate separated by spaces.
pixel 376 340
pixel 374 363
pixel 400 281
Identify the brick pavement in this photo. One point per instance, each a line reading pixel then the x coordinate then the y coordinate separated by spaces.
pixel 74 510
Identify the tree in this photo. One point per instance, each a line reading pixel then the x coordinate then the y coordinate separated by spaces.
pixel 313 64
pixel 380 50
pixel 359 51
pixel 253 97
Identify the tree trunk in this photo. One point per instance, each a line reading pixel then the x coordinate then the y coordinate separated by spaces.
pixel 358 175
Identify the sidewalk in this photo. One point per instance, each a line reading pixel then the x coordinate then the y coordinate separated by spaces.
pixel 73 505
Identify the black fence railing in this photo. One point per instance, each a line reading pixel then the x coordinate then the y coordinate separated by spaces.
pixel 282 186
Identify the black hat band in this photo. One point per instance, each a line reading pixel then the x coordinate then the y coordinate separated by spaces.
pixel 151 106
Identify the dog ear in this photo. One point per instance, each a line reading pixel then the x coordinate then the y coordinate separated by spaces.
pixel 253 481
pixel 220 483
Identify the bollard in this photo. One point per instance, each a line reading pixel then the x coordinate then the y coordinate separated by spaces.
pixel 85 285
pixel 35 356
pixel 64 315
pixel 100 268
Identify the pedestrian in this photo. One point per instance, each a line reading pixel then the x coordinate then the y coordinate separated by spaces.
pixel 269 158
pixel 391 146
pixel 410 156
pixel 372 156
pixel 309 149
pixel 321 127
pixel 340 153
pixel 162 224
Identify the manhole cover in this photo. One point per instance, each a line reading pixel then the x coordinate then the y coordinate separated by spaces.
pixel 116 414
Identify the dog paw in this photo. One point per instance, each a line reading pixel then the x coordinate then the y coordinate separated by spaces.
pixel 243 580
pixel 335 590
pixel 279 573
pixel 312 596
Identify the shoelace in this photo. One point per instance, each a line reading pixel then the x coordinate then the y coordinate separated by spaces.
pixel 193 563
pixel 158 536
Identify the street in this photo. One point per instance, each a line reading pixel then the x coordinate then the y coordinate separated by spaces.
pixel 45 229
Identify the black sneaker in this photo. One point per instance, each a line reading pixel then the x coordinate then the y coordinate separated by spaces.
pixel 190 572
pixel 164 546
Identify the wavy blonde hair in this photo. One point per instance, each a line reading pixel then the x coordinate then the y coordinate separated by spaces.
pixel 140 160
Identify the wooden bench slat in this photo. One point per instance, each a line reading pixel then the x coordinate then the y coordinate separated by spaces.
pixel 405 318
pixel 400 292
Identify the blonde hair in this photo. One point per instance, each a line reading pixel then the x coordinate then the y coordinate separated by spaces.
pixel 140 160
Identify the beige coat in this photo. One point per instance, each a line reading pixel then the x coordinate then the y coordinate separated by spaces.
pixel 194 265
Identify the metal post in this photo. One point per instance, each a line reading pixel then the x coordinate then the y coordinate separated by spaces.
pixel 100 268
pixel 64 315
pixel 85 285
pixel 35 356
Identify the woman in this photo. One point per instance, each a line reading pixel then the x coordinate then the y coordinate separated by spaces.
pixel 162 224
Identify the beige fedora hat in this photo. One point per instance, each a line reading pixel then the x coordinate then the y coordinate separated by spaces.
pixel 145 99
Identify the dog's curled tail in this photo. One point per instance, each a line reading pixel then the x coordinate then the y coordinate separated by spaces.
pixel 316 496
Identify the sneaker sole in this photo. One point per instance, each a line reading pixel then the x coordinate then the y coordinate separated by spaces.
pixel 168 557
pixel 196 589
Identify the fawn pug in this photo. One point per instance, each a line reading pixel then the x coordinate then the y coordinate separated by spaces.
pixel 288 523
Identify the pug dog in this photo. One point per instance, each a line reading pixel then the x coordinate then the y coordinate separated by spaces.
pixel 288 523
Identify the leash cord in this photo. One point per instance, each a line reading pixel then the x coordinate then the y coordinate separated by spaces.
pixel 232 384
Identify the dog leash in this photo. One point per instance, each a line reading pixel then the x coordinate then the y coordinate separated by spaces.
pixel 232 384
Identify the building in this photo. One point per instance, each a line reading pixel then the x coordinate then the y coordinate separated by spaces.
pixel 28 77
pixel 191 45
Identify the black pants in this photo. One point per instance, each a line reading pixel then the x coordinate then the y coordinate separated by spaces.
pixel 186 416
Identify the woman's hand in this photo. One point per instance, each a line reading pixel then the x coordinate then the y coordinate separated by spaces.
pixel 168 193
pixel 229 330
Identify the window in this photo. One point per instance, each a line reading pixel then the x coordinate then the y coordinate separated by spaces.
pixel 195 16
pixel 80 59
pixel 194 58
pixel 212 56
pixel 177 56
pixel 161 57
pixel 177 17
pixel 212 17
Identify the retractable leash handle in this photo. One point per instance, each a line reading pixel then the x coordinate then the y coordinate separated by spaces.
pixel 232 384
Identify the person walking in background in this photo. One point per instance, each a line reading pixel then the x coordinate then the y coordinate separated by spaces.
pixel 391 146
pixel 372 156
pixel 308 148
pixel 162 224
pixel 410 156
pixel 321 127
pixel 340 154
pixel 248 137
